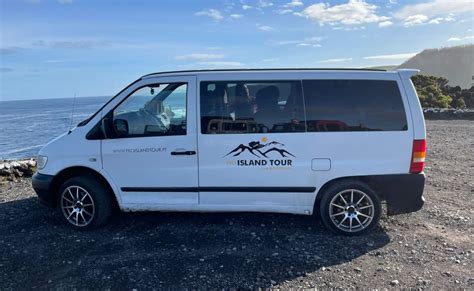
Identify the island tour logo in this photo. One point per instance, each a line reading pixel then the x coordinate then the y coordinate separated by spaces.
pixel 261 153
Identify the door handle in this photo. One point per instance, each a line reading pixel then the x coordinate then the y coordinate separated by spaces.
pixel 183 153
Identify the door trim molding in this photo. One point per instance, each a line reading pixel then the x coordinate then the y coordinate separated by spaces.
pixel 220 189
pixel 159 189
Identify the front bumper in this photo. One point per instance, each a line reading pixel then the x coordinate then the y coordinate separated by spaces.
pixel 403 193
pixel 42 186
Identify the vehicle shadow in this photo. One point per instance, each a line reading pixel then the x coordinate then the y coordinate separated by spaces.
pixel 168 250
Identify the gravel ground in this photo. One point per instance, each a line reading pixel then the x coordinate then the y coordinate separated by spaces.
pixel 429 249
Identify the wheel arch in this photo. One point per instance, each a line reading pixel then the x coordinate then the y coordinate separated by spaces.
pixel 371 181
pixel 77 171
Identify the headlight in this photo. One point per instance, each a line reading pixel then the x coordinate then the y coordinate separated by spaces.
pixel 41 162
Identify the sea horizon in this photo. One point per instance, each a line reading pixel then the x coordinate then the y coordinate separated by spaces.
pixel 27 125
pixel 55 98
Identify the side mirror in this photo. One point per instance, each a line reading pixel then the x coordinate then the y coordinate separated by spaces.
pixel 121 127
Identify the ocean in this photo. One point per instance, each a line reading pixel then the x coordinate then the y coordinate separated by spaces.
pixel 27 125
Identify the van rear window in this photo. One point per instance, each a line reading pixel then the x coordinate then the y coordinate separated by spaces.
pixel 353 105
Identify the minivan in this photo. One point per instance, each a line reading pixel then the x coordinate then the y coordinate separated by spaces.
pixel 331 142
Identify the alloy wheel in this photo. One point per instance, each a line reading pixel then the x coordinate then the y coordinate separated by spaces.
pixel 77 206
pixel 351 210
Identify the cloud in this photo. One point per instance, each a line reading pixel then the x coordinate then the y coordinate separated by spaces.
pixel 422 19
pixel 71 44
pixel 212 13
pixel 271 60
pixel 57 44
pixel 415 20
pixel 354 12
pixel 221 64
pixel 264 27
pixel 455 38
pixel 284 11
pixel 236 16
pixel 434 8
pixel 385 23
pixel 310 42
pixel 10 50
pixel 65 1
pixel 293 3
pixel 246 7
pixel 84 44
pixel 391 57
pixel 264 3
pixel 5 70
pixel 305 44
pixel 336 60
pixel 433 12
pixel 54 61
pixel 200 57
pixel 313 41
pixel 348 28
pixel 437 20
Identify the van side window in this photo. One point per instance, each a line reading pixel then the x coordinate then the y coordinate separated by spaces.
pixel 154 110
pixel 229 107
pixel 353 105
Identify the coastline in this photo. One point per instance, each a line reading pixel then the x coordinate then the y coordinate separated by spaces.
pixel 12 170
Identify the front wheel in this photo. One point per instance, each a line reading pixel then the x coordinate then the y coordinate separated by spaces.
pixel 350 208
pixel 84 203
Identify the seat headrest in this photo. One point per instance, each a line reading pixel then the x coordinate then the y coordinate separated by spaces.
pixel 241 90
pixel 268 95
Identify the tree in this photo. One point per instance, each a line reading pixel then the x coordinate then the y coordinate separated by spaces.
pixel 468 96
pixel 431 91
pixel 459 103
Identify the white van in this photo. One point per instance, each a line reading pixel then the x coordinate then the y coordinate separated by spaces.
pixel 301 141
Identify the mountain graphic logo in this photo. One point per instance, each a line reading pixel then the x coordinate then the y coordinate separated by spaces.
pixel 261 149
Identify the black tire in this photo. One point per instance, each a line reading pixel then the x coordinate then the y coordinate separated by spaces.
pixel 354 223
pixel 99 196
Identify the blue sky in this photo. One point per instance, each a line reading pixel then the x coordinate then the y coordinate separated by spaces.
pixel 59 48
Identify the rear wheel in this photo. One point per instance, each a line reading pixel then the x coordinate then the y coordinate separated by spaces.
pixel 84 203
pixel 350 208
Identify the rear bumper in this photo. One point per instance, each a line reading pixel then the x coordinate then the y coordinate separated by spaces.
pixel 42 186
pixel 403 193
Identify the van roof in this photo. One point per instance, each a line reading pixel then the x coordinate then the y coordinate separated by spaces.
pixel 407 73
pixel 259 70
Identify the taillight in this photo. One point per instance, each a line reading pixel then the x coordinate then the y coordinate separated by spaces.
pixel 418 156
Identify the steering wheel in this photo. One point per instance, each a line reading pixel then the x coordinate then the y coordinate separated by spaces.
pixel 158 120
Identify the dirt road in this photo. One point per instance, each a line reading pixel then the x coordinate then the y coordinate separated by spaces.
pixel 432 248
